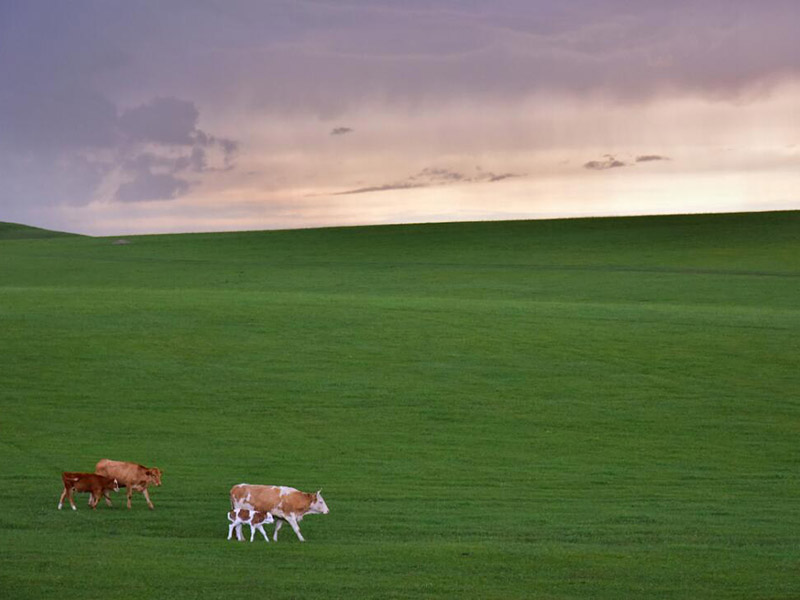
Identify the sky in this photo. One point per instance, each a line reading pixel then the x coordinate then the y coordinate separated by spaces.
pixel 126 117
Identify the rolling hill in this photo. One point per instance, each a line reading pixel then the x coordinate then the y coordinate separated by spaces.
pixel 16 231
pixel 598 408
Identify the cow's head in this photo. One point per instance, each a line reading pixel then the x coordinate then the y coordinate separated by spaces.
pixel 116 486
pixel 153 475
pixel 318 505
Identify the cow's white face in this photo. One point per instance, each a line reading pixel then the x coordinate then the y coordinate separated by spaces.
pixel 319 506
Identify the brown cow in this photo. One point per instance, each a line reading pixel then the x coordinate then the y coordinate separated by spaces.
pixel 285 503
pixel 97 485
pixel 133 476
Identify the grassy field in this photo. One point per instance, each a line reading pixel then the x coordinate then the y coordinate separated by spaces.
pixel 590 408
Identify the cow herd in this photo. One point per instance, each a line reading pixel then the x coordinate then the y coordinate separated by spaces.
pixel 253 505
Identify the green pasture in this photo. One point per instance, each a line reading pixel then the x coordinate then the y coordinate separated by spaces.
pixel 589 408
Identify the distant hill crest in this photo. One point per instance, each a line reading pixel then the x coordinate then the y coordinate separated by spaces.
pixel 17 231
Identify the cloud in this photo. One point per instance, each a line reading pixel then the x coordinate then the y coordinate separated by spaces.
pixel 68 135
pixel 433 177
pixel 148 186
pixel 162 144
pixel 103 103
pixel 611 162
pixel 415 55
pixel 602 165
pixel 387 187
pixel 162 121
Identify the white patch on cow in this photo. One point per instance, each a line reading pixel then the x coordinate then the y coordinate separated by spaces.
pixel 285 491
pixel 246 502
pixel 319 506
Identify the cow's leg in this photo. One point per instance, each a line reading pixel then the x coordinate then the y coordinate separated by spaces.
pixel 94 499
pixel 293 522
pixel 61 500
pixel 147 497
pixel 264 533
pixel 71 501
pixel 107 496
pixel 252 532
pixel 278 525
pixel 239 535
pixel 130 493
pixel 231 527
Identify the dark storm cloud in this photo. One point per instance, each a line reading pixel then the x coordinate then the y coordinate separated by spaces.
pixel 329 56
pixel 322 57
pixel 61 130
pixel 162 144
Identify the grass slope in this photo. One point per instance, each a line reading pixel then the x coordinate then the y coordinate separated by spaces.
pixel 592 408
pixel 15 231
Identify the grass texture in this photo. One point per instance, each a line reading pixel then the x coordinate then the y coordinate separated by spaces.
pixel 588 408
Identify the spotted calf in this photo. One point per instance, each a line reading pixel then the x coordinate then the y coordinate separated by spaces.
pixel 256 519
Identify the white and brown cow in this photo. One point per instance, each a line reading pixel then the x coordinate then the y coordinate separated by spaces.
pixel 285 503
pixel 130 475
pixel 97 485
pixel 256 519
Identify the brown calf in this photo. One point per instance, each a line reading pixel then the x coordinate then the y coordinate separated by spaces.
pixel 130 475
pixel 97 485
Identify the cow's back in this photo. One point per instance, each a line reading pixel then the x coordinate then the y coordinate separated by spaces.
pixel 124 472
pixel 262 498
pixel 85 482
